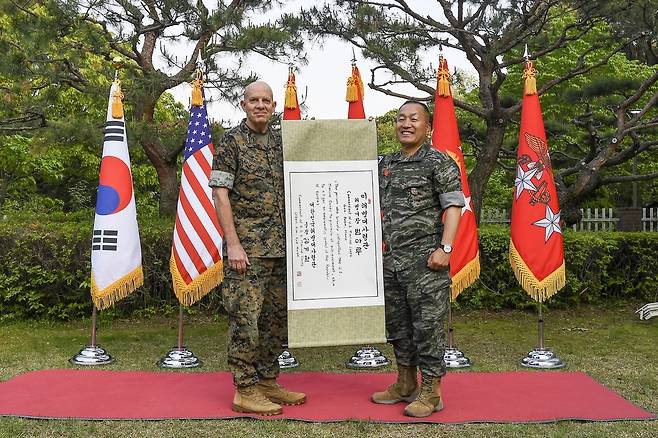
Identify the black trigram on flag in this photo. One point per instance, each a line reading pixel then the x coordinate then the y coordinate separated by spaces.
pixel 105 240
pixel 114 130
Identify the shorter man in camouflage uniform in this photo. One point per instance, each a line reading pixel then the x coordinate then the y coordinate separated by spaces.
pixel 247 182
pixel 418 186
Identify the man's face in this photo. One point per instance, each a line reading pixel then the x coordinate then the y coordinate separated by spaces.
pixel 258 103
pixel 412 125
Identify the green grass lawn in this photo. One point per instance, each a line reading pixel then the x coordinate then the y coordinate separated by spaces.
pixel 609 343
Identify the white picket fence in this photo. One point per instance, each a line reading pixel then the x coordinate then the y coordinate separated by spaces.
pixel 593 219
pixel 650 219
pixel 596 219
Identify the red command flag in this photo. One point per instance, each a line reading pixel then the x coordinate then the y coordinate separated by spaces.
pixel 354 95
pixel 291 104
pixel 465 258
pixel 536 246
pixel 196 254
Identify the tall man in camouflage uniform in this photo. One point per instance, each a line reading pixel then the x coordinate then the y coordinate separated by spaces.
pixel 247 182
pixel 418 186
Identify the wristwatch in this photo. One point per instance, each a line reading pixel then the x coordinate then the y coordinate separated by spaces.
pixel 446 248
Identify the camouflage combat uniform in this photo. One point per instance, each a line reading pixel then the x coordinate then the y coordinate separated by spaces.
pixel 414 192
pixel 251 166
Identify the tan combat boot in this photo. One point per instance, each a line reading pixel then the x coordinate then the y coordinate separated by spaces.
pixel 404 389
pixel 251 401
pixel 278 394
pixel 428 400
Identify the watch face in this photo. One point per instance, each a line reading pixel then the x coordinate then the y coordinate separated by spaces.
pixel 447 249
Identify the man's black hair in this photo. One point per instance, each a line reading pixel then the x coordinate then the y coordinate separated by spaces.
pixel 425 107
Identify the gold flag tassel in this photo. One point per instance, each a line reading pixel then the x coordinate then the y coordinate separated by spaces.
pixel 444 79
pixel 291 92
pixel 197 84
pixel 352 93
pixel 117 105
pixel 530 83
pixel 539 290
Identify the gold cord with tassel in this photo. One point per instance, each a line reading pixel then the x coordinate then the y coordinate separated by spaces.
pixel 291 93
pixel 530 83
pixel 352 93
pixel 444 80
pixel 197 96
pixel 117 105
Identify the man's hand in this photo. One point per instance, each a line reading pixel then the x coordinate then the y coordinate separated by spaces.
pixel 438 260
pixel 237 258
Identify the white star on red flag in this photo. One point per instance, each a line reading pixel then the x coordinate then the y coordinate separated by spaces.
pixel 523 180
pixel 551 223
pixel 467 204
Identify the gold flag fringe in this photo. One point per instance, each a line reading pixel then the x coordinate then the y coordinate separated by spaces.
pixel 197 96
pixel 291 94
pixel 539 290
pixel 121 288
pixel 117 105
pixel 530 83
pixel 465 277
pixel 189 294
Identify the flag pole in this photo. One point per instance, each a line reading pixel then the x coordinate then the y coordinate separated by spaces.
pixel 541 357
pixel 92 354
pixel 291 111
pixel 452 356
pixel 179 356
pixel 540 327
pixel 368 356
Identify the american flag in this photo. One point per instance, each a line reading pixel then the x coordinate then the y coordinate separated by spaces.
pixel 196 253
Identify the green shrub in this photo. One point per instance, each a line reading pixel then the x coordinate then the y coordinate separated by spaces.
pixel 601 268
pixel 45 269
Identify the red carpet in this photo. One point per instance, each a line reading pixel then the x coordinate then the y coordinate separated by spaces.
pixel 517 397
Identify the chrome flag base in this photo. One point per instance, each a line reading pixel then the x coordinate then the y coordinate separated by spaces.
pixel 179 358
pixel 455 358
pixel 368 357
pixel 287 360
pixel 542 358
pixel 92 355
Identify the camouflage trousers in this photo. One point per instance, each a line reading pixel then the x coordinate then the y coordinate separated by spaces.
pixel 257 317
pixel 416 307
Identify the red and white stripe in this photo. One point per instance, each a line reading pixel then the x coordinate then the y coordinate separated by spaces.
pixel 198 237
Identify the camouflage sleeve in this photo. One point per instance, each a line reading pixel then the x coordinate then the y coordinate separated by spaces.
pixel 447 183
pixel 224 163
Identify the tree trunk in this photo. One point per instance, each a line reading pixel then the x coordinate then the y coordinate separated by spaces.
pixel 168 188
pixel 571 197
pixel 165 163
pixel 486 163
